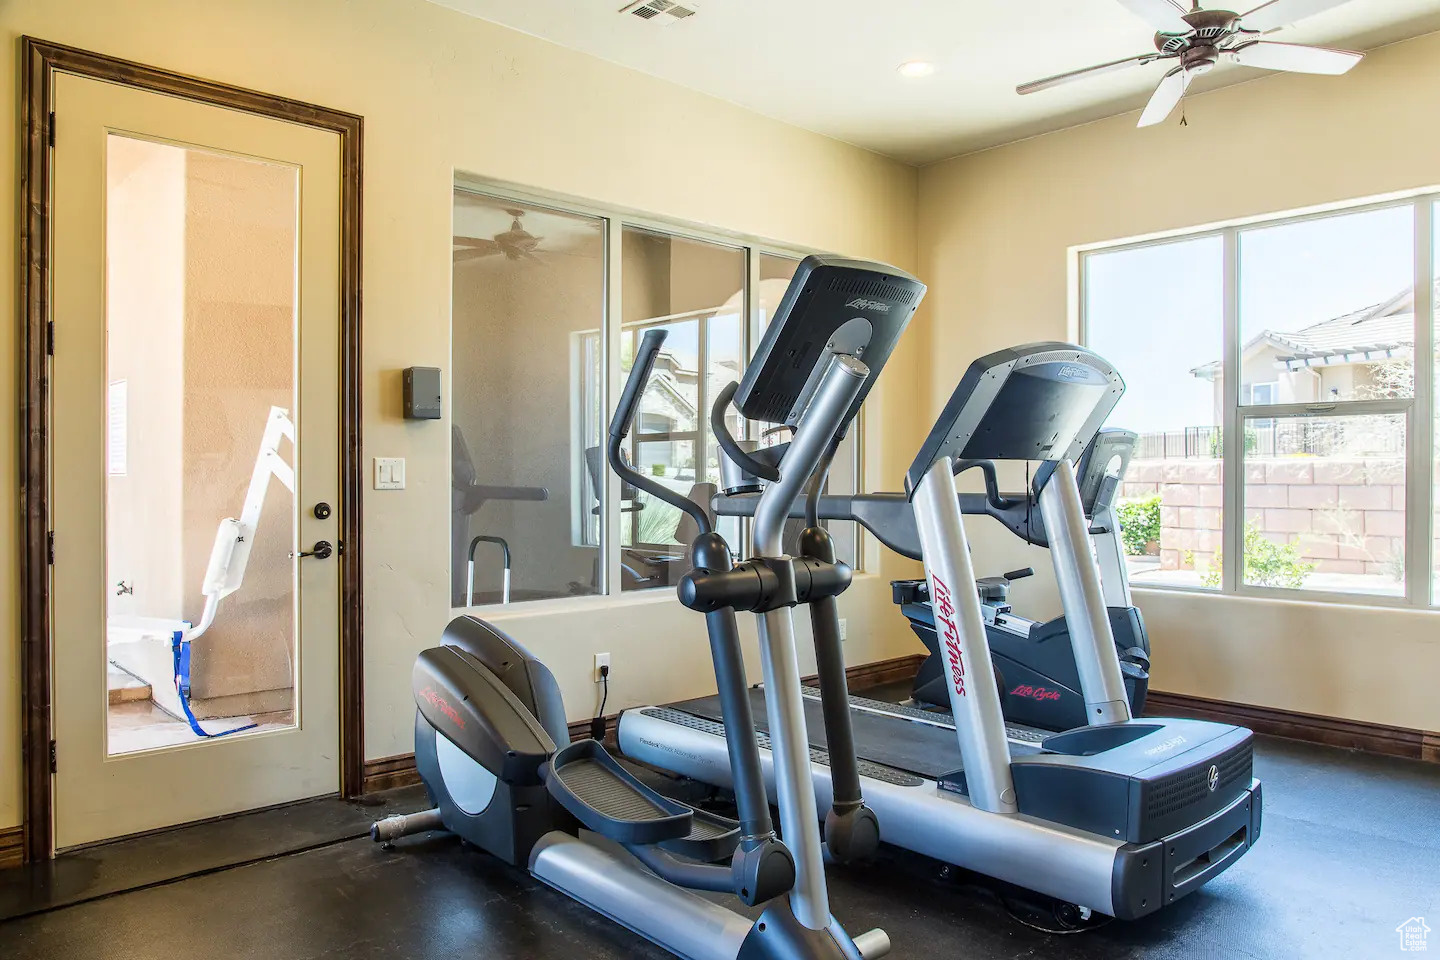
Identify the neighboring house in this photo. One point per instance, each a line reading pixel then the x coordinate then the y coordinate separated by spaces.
pixel 670 405
pixel 1345 358
pixel 1413 934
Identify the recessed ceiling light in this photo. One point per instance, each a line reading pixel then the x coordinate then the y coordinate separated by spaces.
pixel 916 68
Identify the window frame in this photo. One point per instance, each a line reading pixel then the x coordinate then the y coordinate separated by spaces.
pixel 1420 471
pixel 615 221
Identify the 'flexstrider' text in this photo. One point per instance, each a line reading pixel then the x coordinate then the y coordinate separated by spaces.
pixel 945 613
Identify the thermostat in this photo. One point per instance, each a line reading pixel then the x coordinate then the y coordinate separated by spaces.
pixel 422 393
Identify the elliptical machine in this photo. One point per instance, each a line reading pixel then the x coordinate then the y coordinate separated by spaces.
pixel 491 741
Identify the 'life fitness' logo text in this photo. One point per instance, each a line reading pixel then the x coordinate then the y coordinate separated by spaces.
pixel 862 304
pixel 1035 693
pixel 440 703
pixel 945 610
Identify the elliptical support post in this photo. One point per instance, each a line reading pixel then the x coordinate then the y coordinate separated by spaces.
pixel 784 703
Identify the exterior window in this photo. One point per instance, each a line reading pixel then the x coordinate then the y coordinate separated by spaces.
pixel 1313 320
pixel 1163 346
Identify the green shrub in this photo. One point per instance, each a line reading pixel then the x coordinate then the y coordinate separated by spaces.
pixel 1139 523
pixel 1267 563
pixel 657 469
pixel 1217 447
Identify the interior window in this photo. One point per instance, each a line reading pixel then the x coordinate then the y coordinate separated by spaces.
pixel 526 486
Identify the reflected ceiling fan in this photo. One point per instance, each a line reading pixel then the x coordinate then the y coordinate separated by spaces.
pixel 1197 39
pixel 517 243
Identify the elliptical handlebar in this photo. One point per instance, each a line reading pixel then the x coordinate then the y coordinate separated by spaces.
pixel 624 418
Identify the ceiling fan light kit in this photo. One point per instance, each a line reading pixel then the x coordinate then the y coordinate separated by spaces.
pixel 1194 40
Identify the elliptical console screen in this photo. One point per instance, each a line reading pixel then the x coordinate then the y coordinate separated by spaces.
pixel 832 306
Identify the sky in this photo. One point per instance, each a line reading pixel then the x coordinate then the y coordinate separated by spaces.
pixel 1156 312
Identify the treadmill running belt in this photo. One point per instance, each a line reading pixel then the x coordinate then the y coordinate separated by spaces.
pixel 918 748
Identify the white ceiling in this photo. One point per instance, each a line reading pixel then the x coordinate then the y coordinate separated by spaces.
pixel 829 65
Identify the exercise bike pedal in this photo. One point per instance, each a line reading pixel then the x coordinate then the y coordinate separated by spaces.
pixel 608 800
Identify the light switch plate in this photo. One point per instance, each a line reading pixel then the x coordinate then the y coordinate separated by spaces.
pixel 389 473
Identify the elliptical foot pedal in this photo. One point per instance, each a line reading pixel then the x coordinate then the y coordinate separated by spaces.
pixel 608 800
pixel 711 838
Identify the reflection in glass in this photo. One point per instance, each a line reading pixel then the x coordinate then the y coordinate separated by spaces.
pixel 1326 309
pixel 696 292
pixel 1168 349
pixel 1325 503
pixel 201 263
pixel 527 469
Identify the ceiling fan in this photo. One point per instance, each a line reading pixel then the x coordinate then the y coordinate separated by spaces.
pixel 1198 39
pixel 517 243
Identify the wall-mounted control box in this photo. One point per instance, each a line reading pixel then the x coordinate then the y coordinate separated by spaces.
pixel 422 393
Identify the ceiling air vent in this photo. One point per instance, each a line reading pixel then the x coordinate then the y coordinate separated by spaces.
pixel 652 9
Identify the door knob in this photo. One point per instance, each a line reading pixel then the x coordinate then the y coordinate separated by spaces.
pixel 321 551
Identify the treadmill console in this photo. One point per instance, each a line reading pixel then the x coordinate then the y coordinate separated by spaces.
pixel 832 306
pixel 1102 467
pixel 1038 401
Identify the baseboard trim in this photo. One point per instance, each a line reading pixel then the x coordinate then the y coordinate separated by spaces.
pixel 387 773
pixel 12 847
pixel 1308 727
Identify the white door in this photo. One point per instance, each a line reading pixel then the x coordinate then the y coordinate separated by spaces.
pixel 195 430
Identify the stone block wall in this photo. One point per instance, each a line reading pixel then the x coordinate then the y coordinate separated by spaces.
pixel 1346 516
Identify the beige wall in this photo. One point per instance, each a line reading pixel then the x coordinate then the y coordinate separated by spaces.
pixel 443 93
pixel 995 233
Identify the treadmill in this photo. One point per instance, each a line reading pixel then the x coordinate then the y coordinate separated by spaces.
pixel 1122 816
pixel 1034 663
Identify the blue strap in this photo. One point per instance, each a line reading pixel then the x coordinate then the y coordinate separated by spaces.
pixel 180 648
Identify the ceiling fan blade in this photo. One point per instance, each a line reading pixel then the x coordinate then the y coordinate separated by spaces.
pixel 1062 78
pixel 1279 13
pixel 1295 58
pixel 477 243
pixel 1161 14
pixel 1166 96
pixel 460 256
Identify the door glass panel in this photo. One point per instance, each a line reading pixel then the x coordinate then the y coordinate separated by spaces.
pixel 695 291
pixel 1325 504
pixel 527 464
pixel 200 270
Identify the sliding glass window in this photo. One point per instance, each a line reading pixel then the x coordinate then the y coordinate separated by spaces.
pixel 1311 471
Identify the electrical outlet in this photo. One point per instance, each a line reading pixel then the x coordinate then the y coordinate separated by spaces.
pixel 842 630
pixel 601 660
pixel 389 473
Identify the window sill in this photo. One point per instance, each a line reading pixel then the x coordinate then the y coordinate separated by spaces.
pixel 1298 597
pixel 564 605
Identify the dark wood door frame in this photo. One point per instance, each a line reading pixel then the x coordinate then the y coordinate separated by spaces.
pixel 40 62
